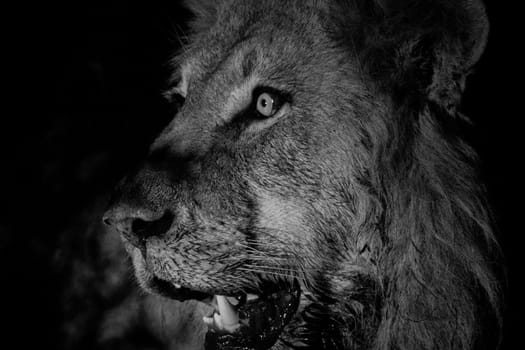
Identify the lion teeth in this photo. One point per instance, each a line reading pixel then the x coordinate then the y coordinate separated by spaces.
pixel 225 318
pixel 178 286
pixel 233 301
pixel 216 322
pixel 229 315
pixel 251 297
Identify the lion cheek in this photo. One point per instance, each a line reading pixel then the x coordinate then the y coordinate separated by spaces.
pixel 280 215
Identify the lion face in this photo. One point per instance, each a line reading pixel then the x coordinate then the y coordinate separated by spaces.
pixel 237 192
pixel 300 187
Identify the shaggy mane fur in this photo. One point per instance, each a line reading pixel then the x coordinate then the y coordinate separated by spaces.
pixel 440 253
pixel 439 259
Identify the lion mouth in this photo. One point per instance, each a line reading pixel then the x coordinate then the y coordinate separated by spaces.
pixel 244 320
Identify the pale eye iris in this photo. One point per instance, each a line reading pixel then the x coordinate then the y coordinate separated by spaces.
pixel 265 104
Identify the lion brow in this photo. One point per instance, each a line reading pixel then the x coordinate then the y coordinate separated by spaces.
pixel 248 63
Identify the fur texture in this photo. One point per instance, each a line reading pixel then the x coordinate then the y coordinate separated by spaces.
pixel 360 189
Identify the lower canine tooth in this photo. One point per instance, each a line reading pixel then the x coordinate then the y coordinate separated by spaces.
pixel 228 318
pixel 227 311
pixel 217 319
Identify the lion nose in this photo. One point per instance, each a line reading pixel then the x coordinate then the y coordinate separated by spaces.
pixel 138 225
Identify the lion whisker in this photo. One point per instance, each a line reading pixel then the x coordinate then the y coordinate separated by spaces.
pixel 265 272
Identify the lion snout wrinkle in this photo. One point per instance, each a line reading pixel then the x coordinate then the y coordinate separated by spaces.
pixel 136 210
pixel 178 166
pixel 145 204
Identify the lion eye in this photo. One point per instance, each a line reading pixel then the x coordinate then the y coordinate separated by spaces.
pixel 267 104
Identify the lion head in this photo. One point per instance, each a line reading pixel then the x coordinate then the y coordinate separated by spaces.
pixel 311 186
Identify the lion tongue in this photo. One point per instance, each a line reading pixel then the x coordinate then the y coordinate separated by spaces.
pixel 227 319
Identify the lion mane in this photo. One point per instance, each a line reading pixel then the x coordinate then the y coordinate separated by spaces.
pixel 439 257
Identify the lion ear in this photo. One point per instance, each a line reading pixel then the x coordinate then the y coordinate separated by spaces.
pixel 205 12
pixel 422 48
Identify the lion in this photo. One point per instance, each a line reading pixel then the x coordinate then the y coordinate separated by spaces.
pixel 312 189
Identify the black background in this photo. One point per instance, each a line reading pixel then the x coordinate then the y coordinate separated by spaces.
pixel 86 103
